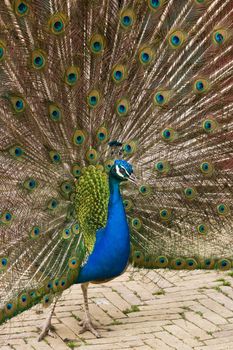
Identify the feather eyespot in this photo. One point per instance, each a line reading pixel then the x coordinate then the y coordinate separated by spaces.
pixel 129 147
pixel 136 223
pixel 128 204
pixel 145 190
pixel 108 165
pixel 38 59
pixel 35 232
pixel 162 167
pixel 155 5
pixel 17 152
pixel 6 218
pixel 102 135
pixel 52 204
pixel 73 263
pixel 66 233
pixel 127 18
pixel 55 157
pixel 122 107
pixel 93 98
pixel 97 44
pixel 161 98
pixel 46 301
pixel 55 112
pixel 223 209
pixel 24 301
pixel 119 73
pixel 161 261
pixel 176 39
pixel 4 262
pixel 202 229
pixel 67 189
pixel 30 184
pixel 209 125
pixel 21 8
pixel 10 308
pixel 190 193
pixel 146 55
pixel 76 170
pixel 79 137
pixel 57 23
pixel 165 214
pixel 224 264
pixel 92 155
pixel 75 229
pixel 72 75
pixel 18 104
pixel 207 168
pixel 178 263
pixel 168 134
pixel 2 50
pixel 201 86
pixel 191 263
pixel 220 36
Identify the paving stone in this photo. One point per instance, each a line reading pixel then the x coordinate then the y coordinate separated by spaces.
pixel 182 335
pixel 172 341
pixel 158 344
pixel 222 299
pixel 208 314
pixel 201 322
pixel 189 315
pixel 100 315
pixel 216 307
pixel 116 300
pixel 223 346
pixel 56 343
pixel 141 291
pixel 191 328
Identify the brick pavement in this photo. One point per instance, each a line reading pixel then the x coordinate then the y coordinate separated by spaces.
pixel 143 310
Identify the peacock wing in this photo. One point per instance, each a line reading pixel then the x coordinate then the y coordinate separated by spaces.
pixel 92 197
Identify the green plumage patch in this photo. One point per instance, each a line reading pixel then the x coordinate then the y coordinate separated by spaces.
pixel 92 196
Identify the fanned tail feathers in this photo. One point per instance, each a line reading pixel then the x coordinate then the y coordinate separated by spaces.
pixel 155 75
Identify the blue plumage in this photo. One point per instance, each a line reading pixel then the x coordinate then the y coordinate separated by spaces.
pixel 112 247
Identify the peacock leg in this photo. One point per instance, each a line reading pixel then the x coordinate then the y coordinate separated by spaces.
pixel 87 324
pixel 47 327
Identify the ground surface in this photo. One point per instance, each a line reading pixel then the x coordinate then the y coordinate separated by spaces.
pixel 143 310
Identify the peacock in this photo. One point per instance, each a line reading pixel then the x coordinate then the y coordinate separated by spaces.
pixel 116 143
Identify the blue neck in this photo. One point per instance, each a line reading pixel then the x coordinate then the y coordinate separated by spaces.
pixel 115 205
pixel 114 186
pixel 112 248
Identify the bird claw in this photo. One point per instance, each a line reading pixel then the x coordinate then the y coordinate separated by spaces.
pixel 48 329
pixel 83 322
pixel 87 325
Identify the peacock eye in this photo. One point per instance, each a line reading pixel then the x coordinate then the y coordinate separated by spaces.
pixel 122 171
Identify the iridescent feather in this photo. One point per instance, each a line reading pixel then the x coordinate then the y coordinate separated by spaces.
pixel 155 75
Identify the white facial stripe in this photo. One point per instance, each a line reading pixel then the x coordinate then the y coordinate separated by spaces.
pixel 118 171
pixel 127 172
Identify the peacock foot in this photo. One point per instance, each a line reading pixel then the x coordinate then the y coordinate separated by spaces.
pixel 47 329
pixel 88 325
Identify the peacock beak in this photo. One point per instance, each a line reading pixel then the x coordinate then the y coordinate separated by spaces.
pixel 132 178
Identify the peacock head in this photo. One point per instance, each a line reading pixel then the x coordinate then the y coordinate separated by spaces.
pixel 122 171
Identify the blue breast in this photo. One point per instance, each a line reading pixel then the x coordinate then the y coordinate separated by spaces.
pixel 112 247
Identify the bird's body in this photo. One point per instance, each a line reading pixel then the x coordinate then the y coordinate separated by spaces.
pixel 112 247
pixel 91 93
